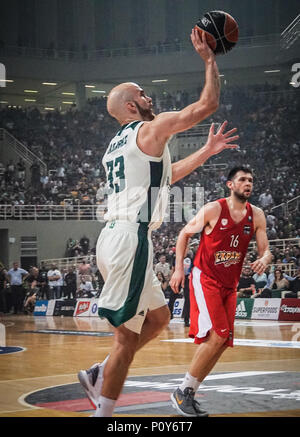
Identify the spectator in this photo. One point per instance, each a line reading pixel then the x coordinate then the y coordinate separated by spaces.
pixel 172 298
pixel 85 288
pixel 3 283
pixel 294 285
pixel 163 281
pixel 187 265
pixel 93 270
pixel 35 175
pixel 246 286
pixel 54 281
pixel 43 282
pixel 21 169
pixel 85 244
pixel 260 280
pixel 271 232
pixel 84 268
pixel 280 283
pixel 33 278
pixel 163 267
pixel 99 280
pixel 288 258
pixel 63 284
pixel 16 276
pixel 266 199
pixel 270 219
pixel 31 297
pixel 71 283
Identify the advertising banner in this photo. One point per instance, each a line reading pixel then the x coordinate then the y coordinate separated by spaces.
pixel 50 309
pixel 94 307
pixel 244 308
pixel 65 307
pixel 290 309
pixel 266 309
pixel 40 308
pixel 57 307
pixel 82 308
pixel 178 307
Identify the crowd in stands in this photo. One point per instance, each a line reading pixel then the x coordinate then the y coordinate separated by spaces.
pixel 269 284
pixel 20 289
pixel 72 144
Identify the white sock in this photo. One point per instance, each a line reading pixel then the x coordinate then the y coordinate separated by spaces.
pixel 190 381
pixel 105 407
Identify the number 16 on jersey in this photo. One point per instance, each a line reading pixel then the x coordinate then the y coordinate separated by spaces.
pixel 234 240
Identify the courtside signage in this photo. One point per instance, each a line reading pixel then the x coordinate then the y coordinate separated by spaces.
pixel 178 307
pixel 82 308
pixel 244 308
pixel 267 309
pixel 40 308
pixel 94 308
pixel 51 306
pixel 290 309
pixel 64 307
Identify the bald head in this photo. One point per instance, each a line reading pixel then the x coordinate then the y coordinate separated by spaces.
pixel 118 97
pixel 125 105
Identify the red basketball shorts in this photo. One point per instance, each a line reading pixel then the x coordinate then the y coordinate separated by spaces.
pixel 212 307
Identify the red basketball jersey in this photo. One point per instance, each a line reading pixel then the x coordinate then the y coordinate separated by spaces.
pixel 221 253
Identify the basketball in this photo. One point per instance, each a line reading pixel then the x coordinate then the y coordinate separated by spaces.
pixel 221 31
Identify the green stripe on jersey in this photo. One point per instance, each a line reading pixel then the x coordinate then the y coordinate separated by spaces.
pixel 133 124
pixel 128 310
pixel 146 211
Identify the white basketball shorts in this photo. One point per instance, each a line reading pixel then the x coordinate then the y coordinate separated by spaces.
pixel 125 259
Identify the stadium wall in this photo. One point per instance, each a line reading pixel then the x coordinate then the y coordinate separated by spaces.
pixel 50 236
pixel 122 68
pixel 94 23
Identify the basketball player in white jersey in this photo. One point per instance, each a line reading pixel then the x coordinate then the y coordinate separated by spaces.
pixel 138 167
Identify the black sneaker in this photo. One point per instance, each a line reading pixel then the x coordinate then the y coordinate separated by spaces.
pixel 185 403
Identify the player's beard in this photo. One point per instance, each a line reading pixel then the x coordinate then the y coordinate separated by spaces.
pixel 146 114
pixel 241 197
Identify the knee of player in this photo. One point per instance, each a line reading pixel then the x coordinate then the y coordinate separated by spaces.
pixel 219 338
pixel 164 319
pixel 125 342
pixel 159 318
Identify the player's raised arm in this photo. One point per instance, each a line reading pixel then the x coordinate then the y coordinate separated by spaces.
pixel 154 134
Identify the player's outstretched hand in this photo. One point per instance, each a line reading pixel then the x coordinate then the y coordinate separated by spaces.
pixel 221 140
pixel 199 42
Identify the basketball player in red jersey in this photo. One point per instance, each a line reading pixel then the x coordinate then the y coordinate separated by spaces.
pixel 227 226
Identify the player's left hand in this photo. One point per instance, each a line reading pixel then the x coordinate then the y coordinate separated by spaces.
pixel 221 140
pixel 259 266
pixel 177 280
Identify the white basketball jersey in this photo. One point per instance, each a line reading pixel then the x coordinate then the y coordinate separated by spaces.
pixel 137 184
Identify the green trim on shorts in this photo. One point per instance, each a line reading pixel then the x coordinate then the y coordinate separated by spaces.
pixel 128 310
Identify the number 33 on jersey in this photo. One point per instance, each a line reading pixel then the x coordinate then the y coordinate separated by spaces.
pixel 137 184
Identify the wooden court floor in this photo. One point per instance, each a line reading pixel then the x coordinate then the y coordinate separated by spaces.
pixel 259 376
